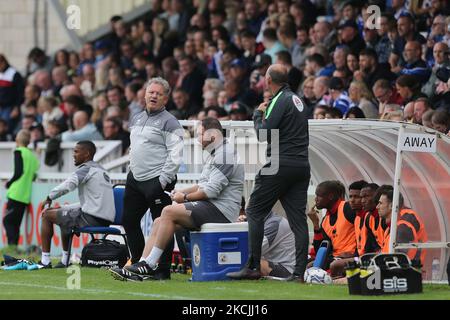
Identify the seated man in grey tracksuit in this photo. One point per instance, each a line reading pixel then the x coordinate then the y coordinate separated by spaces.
pixel 215 199
pixel 96 207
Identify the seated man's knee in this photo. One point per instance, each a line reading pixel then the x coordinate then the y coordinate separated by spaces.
pixel 168 213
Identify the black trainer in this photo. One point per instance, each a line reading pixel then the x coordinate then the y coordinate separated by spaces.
pixel 44 266
pixel 245 274
pixel 61 265
pixel 142 269
pixel 125 275
pixel 161 274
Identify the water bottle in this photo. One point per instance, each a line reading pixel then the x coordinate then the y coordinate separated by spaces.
pixel 435 268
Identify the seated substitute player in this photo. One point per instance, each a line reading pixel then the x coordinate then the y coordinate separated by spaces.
pixel 338 224
pixel 216 199
pixel 96 207
pixel 410 228
pixel 355 201
pixel 278 246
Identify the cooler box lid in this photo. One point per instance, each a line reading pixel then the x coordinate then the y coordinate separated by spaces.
pixel 225 227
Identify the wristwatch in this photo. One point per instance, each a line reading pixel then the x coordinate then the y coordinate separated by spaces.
pixel 185 197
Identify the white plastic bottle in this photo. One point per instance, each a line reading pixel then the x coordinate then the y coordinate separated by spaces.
pixel 435 268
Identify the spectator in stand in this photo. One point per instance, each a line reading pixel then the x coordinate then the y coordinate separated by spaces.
pixel 288 38
pixel 385 94
pixel 399 8
pixel 38 60
pixel 304 43
pixel 421 106
pixel 413 63
pixel 113 130
pixel 324 33
pixel 116 97
pixel 87 56
pixel 43 80
pixel 191 79
pixel 333 113
pixel 184 107
pixel 349 35
pixel 436 35
pixel 370 70
pixel 4 135
pixel 408 112
pixel 131 91
pixel 362 98
pixel 83 129
pixel 249 47
pixel 87 87
pixel 406 32
pixel 370 35
pixel 294 75
pixel 426 118
pixel 170 70
pixel 49 109
pixel 262 63
pixel 315 64
pixel 441 59
pixel 52 130
pixel 320 112
pixel 354 113
pixel 441 121
pixel 11 93
pixel 238 112
pixel 340 99
pixel 352 62
pixel 253 16
pixel 384 46
pixel 307 94
pixel 271 43
pixel 320 90
pixel 409 88
pixel 210 99
pixel 340 57
pixel 59 79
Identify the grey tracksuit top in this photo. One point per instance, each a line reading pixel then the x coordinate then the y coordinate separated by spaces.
pixel 94 190
pixel 222 179
pixel 156 148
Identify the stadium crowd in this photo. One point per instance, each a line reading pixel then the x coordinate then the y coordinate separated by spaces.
pixel 214 54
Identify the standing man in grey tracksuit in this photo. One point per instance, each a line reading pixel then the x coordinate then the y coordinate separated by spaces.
pixel 96 207
pixel 285 177
pixel 215 199
pixel 156 149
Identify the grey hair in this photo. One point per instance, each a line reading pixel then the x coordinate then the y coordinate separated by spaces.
pixel 162 82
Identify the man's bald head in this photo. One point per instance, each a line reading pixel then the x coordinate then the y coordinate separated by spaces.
pixel 278 74
pixel 80 119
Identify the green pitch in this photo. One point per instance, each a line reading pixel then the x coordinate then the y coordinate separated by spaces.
pixel 98 284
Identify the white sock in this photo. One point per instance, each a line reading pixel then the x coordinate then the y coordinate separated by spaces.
pixel 64 258
pixel 142 259
pixel 45 258
pixel 154 256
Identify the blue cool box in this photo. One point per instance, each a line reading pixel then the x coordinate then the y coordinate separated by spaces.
pixel 218 248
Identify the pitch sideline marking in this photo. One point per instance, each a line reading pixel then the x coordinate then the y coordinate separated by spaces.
pixel 149 295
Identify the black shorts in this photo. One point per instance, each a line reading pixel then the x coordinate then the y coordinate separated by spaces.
pixel 204 212
pixel 278 270
pixel 69 217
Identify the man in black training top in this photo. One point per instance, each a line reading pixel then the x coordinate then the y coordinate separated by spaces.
pixel 285 176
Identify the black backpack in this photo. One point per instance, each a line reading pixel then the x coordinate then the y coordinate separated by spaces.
pixel 104 253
